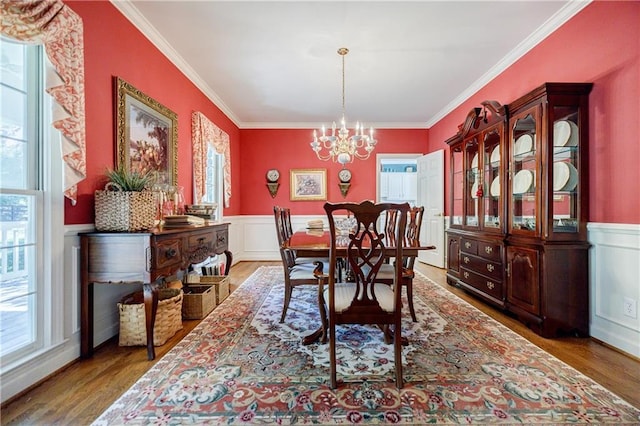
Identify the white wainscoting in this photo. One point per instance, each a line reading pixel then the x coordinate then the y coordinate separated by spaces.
pixel 615 275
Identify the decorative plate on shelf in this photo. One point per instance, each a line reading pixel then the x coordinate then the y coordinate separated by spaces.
pixel 344 175
pixel 273 175
pixel 495 187
pixel 474 190
pixel 565 176
pixel 565 133
pixel 522 181
pixel 495 155
pixel 474 161
pixel 523 144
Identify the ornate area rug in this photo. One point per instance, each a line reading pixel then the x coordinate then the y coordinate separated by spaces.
pixel 241 366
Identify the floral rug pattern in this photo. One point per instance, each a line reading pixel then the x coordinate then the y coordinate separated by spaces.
pixel 241 366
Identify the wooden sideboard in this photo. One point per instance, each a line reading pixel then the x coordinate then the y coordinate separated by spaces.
pixel 142 257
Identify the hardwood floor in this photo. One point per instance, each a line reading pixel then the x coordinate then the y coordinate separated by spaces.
pixel 81 392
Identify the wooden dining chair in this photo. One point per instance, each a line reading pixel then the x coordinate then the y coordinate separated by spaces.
pixel 365 300
pixel 386 274
pixel 296 272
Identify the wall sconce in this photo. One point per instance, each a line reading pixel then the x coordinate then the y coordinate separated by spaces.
pixel 272 182
pixel 345 181
pixel 344 188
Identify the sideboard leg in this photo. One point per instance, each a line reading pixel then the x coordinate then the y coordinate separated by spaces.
pixel 150 309
pixel 229 257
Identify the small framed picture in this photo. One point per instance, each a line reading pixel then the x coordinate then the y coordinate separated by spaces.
pixel 308 184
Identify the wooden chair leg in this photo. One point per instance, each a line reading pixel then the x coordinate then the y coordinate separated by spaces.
pixel 332 356
pixel 287 298
pixel 410 299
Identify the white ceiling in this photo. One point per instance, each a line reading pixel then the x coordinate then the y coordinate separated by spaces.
pixel 271 64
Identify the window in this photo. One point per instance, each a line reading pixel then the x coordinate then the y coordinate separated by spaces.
pixel 213 180
pixel 26 209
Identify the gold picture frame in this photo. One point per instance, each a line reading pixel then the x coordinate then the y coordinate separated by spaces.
pixel 146 133
pixel 308 184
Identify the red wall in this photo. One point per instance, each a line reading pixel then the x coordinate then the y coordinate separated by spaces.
pixel 601 44
pixel 114 47
pixel 286 149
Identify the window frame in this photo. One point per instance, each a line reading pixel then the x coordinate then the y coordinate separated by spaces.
pixel 218 180
pixel 46 183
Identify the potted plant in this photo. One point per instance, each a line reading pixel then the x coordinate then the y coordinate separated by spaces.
pixel 126 203
pixel 130 180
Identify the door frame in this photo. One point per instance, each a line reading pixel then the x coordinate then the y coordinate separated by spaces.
pixel 379 159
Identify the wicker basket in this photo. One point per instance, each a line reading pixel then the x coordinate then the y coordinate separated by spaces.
pixel 221 284
pixel 133 328
pixel 198 301
pixel 124 210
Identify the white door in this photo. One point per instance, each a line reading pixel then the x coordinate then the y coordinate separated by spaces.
pixel 431 196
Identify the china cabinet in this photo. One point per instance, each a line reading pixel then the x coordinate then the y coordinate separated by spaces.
pixel 475 239
pixel 517 235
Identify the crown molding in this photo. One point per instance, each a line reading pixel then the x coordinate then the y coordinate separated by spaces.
pixel 563 15
pixel 127 8
pixel 317 125
pixel 141 23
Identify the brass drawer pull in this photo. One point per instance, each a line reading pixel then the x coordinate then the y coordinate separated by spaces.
pixel 466 274
pixel 488 249
pixel 467 244
pixel 466 259
pixel 490 285
pixel 490 267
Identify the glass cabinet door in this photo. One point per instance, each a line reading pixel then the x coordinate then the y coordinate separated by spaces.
pixel 458 186
pixel 491 178
pixel 564 175
pixel 522 171
pixel 473 188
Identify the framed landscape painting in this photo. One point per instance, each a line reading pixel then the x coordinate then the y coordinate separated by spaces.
pixel 146 134
pixel 308 184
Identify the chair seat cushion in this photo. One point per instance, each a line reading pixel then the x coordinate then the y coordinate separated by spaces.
pixel 303 260
pixel 301 272
pixel 344 293
pixel 388 271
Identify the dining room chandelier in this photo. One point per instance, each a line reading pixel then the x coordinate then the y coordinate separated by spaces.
pixel 341 147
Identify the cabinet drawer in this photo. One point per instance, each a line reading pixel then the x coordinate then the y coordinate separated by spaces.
pixel 484 284
pixel 489 251
pixel 482 266
pixel 469 246
pixel 201 239
pixel 168 252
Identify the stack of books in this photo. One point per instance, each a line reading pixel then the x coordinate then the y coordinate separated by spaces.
pixel 205 211
pixel 315 224
pixel 182 221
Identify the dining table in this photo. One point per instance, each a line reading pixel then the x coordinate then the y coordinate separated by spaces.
pixel 316 242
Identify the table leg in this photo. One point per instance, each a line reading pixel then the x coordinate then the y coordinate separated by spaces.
pixel 150 309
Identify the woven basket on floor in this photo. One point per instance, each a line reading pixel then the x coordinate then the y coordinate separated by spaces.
pixel 133 327
pixel 124 210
